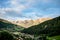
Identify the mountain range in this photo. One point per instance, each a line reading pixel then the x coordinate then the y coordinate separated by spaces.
pixel 29 23
pixel 41 30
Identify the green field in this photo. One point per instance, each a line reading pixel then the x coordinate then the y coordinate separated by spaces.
pixel 54 38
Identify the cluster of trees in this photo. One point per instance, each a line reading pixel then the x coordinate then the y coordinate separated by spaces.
pixel 4 35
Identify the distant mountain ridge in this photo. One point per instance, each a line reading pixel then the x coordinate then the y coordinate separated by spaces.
pixel 29 23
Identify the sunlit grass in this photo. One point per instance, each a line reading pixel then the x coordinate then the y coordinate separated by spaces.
pixel 54 38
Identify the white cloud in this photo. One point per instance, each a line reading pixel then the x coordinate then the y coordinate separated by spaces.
pixel 15 6
pixel 33 15
pixel 18 6
pixel 16 18
pixel 2 12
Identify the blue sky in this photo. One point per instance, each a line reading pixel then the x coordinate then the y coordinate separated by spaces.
pixel 29 9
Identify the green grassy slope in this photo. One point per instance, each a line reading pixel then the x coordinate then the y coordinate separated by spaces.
pixel 54 38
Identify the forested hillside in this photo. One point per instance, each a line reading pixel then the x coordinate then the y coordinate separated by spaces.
pixel 50 27
pixel 6 25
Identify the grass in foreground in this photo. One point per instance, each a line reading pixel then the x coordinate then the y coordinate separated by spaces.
pixel 54 38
